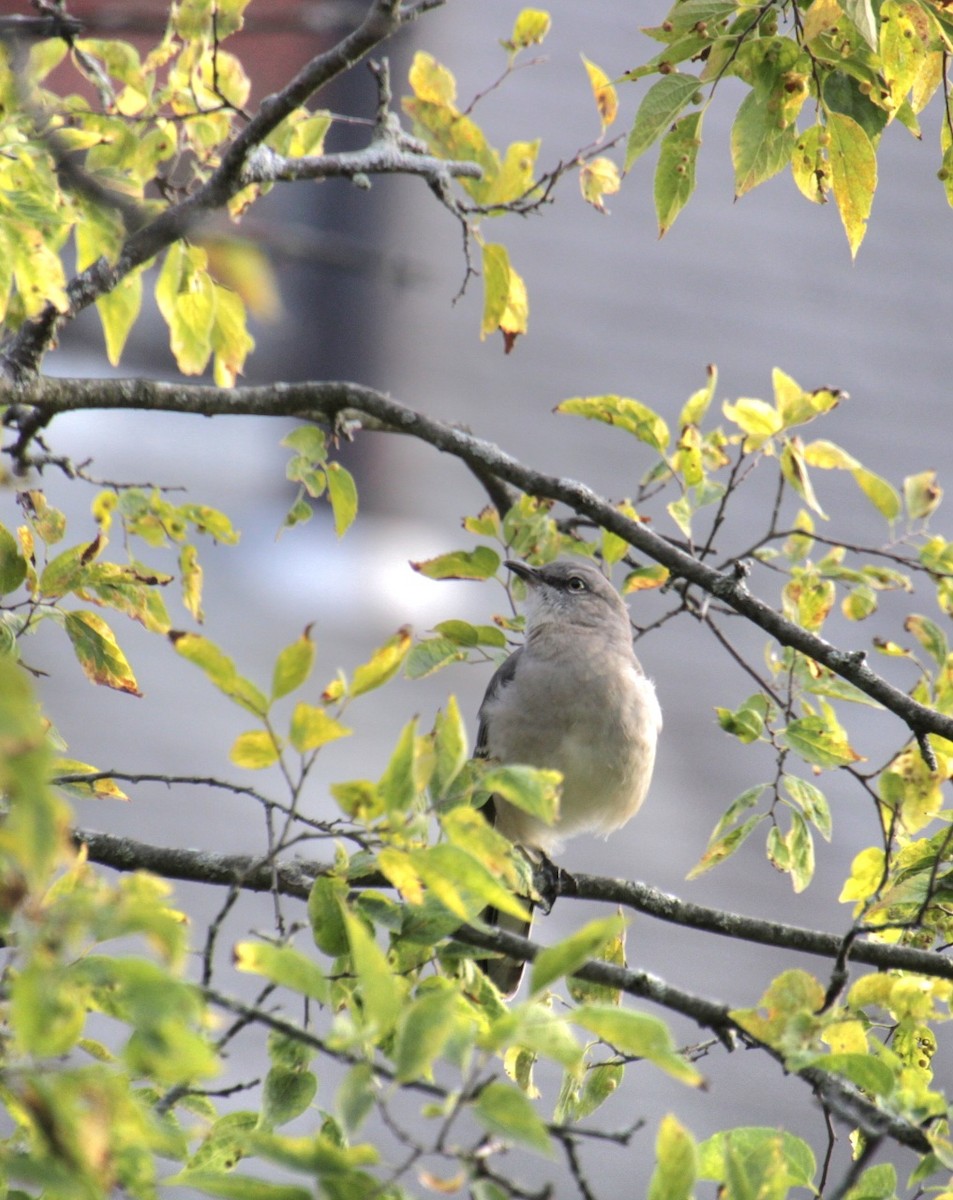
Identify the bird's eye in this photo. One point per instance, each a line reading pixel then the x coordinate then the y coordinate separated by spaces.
pixel 576 583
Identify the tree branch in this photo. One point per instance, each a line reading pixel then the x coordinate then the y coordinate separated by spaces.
pixel 294 879
pixel 336 401
pixel 261 874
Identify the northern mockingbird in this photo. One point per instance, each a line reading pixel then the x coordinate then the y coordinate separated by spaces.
pixel 573 698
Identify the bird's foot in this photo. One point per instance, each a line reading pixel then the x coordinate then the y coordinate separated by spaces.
pixel 550 881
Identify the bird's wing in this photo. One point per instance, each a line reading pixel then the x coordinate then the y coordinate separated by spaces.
pixel 502 676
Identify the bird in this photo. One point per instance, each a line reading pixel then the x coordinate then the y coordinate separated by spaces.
pixel 572 698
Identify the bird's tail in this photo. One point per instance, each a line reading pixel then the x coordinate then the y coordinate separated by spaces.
pixel 506 973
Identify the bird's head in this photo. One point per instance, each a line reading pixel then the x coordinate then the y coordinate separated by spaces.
pixel 571 592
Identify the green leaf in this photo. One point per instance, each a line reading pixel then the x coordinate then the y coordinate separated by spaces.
pixel 505 1110
pixel 869 1073
pixel 675 173
pixel 325 916
pixel 567 956
pixel 759 148
pixel 877 1183
pixel 12 563
pixel 227 1185
pixel 462 883
pixel 312 727
pixel 800 847
pixel 639 1034
pixel 481 563
pixel 220 670
pixel 98 652
pixel 720 848
pixel 812 802
pixel 530 789
pixel 423 1031
pixel 118 311
pixel 450 747
pixel 427 657
pixel 255 750
pixel 381 992
pixel 853 163
pixel 768 1159
pixel 399 785
pixel 342 492
pixel 356 1096
pixel 660 105
pixel 308 441
pixel 293 666
pixel 676 1162
pixel 627 414
pixel 283 965
pixel 286 1095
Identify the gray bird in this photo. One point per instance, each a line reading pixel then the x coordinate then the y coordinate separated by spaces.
pixel 573 698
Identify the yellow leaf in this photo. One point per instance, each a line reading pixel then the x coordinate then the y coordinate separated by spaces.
pixel 98 653
pixel 597 178
pixel 254 750
pixel 431 81
pixel 607 101
pixel 384 663
pixel 505 305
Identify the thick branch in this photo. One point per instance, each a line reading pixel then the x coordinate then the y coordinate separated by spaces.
pixel 295 879
pixel 258 874
pixel 651 901
pixel 333 401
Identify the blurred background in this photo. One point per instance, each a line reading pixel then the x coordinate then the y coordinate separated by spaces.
pixel 367 283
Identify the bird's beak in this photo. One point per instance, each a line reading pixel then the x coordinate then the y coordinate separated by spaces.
pixel 527 573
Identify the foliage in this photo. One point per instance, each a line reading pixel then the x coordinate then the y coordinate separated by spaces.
pixel 111 1053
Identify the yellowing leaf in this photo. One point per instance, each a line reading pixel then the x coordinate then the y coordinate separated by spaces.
pixel 505 303
pixel 481 563
pixel 293 665
pixel 809 165
pixel 118 311
pixel 311 727
pixel 640 1034
pixel 819 741
pixel 676 1162
pixel 607 101
pixel 630 415
pixel 597 178
pixel 220 670
pixel 98 653
pixel 283 965
pixel 505 1110
pixel 853 175
pixel 191 574
pixel 529 29
pixel 756 418
pixel 384 664
pixel 254 750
